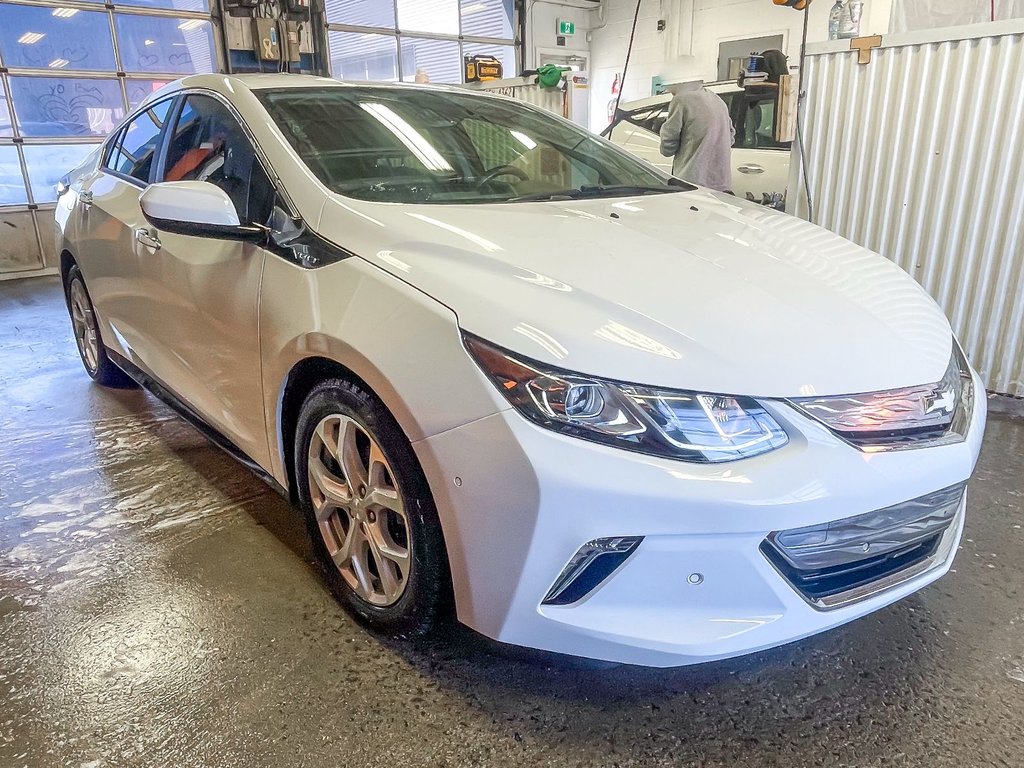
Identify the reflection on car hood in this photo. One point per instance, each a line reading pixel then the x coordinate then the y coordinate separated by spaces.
pixel 686 290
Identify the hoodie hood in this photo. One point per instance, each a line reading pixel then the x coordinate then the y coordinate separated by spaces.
pixel 688 290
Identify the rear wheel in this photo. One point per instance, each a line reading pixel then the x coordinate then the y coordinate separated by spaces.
pixel 87 335
pixel 369 511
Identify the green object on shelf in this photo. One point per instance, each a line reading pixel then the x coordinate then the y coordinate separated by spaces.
pixel 550 76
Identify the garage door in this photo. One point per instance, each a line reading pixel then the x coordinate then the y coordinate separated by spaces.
pixel 423 40
pixel 68 73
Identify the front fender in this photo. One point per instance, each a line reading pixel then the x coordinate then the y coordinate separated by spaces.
pixel 405 346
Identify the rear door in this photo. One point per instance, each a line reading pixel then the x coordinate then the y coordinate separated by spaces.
pixel 202 293
pixel 109 214
pixel 760 163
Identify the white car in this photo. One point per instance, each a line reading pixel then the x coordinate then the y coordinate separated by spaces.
pixel 497 361
pixel 760 164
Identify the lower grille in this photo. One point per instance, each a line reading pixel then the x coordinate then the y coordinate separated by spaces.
pixel 847 560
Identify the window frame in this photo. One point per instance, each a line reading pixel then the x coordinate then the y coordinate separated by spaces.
pixel 114 142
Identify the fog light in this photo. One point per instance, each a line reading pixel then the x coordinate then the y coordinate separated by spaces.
pixel 592 564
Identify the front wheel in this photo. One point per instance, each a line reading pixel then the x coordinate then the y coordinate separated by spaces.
pixel 369 511
pixel 87 335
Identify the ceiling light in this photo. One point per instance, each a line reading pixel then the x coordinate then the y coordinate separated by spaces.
pixel 64 13
pixel 58 63
pixel 190 24
pixel 29 38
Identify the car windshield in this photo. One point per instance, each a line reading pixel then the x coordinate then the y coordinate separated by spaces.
pixel 403 145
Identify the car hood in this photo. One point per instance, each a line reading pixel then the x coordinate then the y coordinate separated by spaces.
pixel 690 290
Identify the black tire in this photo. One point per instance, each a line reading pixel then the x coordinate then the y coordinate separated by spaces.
pixel 102 370
pixel 427 588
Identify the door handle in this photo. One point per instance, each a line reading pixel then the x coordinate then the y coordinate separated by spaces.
pixel 147 238
pixel 750 169
pixel 85 198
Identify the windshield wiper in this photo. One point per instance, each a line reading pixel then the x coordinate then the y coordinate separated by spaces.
pixel 598 190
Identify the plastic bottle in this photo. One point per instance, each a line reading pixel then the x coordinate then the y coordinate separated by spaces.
pixel 834 18
pixel 849 24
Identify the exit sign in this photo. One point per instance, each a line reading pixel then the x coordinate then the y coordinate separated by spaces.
pixel 566 27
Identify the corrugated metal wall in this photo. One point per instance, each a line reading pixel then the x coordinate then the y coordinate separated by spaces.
pixel 919 155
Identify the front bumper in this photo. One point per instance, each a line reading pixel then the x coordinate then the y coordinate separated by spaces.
pixel 517 501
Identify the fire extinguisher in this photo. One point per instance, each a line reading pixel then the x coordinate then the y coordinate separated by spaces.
pixel 611 104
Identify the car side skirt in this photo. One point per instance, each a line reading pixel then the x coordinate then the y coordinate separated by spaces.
pixel 163 393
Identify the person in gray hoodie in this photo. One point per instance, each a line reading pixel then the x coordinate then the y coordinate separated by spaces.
pixel 698 134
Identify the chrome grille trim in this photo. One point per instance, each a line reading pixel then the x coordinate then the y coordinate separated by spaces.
pixel 910 417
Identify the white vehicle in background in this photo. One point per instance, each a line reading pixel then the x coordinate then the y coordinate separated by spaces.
pixel 760 169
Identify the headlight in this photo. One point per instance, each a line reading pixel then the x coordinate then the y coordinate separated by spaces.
pixel 689 426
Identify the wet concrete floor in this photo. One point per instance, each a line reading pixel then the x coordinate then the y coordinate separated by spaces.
pixel 158 607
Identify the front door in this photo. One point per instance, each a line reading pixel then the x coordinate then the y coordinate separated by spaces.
pixel 203 293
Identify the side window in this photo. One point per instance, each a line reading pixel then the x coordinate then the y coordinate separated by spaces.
pixel 754 120
pixel 135 148
pixel 207 143
pixel 113 152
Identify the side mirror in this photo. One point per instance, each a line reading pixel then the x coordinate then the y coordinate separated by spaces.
pixel 195 208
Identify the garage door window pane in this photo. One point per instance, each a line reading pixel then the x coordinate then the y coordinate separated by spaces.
pixel 432 61
pixel 438 16
pixel 362 13
pixel 178 5
pixel 487 18
pixel 506 54
pixel 154 44
pixel 12 184
pixel 138 90
pixel 55 38
pixel 6 127
pixel 355 56
pixel 58 106
pixel 47 164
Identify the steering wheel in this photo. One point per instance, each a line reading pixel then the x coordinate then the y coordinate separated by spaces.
pixel 502 170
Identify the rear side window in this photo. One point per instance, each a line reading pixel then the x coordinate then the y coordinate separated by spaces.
pixel 133 152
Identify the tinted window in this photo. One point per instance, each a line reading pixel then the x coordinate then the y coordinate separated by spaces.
pixel 406 145
pixel 135 148
pixel 752 116
pixel 207 143
pixel 754 120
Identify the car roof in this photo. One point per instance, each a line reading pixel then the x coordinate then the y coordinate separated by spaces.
pixel 231 84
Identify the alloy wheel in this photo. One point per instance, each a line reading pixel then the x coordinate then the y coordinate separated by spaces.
pixel 359 510
pixel 83 322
